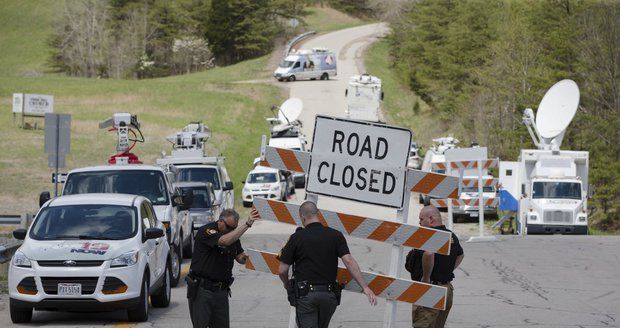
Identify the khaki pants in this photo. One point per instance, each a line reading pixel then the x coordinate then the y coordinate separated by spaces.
pixel 423 317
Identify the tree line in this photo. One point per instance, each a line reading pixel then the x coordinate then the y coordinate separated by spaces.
pixel 153 38
pixel 479 63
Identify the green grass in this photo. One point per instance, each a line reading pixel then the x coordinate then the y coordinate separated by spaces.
pixel 326 19
pixel 399 101
pixel 24 31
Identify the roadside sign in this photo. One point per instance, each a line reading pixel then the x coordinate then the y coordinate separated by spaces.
pixel 18 102
pixel 57 142
pixel 359 161
pixel 32 104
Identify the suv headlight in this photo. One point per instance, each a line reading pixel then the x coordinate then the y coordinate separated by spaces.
pixel 246 189
pixel 276 187
pixel 20 260
pixel 127 259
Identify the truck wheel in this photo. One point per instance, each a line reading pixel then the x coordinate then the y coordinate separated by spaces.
pixel 189 249
pixel 19 314
pixel 176 258
pixel 162 298
pixel 141 312
pixel 291 78
pixel 325 76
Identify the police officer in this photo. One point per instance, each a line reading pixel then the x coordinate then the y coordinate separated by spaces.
pixel 432 268
pixel 216 246
pixel 314 252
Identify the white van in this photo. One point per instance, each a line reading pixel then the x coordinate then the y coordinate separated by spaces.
pixel 92 252
pixel 468 193
pixel 264 182
pixel 318 63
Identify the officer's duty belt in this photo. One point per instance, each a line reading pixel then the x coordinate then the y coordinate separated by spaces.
pixel 213 285
pixel 322 287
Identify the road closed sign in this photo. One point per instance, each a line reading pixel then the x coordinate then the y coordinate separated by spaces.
pixel 359 161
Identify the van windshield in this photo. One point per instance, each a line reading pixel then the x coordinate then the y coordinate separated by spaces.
pixel 262 178
pixel 475 189
pixel 550 189
pixel 95 222
pixel 286 63
pixel 147 183
pixel 200 174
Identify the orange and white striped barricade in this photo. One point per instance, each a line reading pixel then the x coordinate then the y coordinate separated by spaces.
pixel 395 289
pixel 429 183
pixel 286 159
pixel 399 234
pixel 473 182
pixel 474 202
pixel 464 165
pixel 433 184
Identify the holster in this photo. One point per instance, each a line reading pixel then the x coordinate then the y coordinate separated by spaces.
pixel 291 293
pixel 338 292
pixel 193 283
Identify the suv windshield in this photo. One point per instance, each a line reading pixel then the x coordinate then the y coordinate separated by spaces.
pixel 105 222
pixel 564 190
pixel 262 178
pixel 200 174
pixel 201 197
pixel 150 184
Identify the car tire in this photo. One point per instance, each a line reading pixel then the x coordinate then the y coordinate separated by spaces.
pixel 176 260
pixel 188 250
pixel 140 313
pixel 325 76
pixel 20 314
pixel 162 298
pixel 247 204
pixel 293 191
pixel 291 78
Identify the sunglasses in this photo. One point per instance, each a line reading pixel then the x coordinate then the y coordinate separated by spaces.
pixel 227 226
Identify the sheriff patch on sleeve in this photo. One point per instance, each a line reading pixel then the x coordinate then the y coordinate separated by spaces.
pixel 211 231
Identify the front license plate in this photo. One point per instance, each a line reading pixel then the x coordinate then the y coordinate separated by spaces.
pixel 69 289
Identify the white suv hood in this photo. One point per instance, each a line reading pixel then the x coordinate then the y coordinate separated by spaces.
pixel 76 249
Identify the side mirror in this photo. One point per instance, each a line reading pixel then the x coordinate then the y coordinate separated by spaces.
pixel 243 182
pixel 286 173
pixel 19 234
pixel 382 95
pixel 187 199
pixel 523 194
pixel 44 197
pixel 228 186
pixel 152 233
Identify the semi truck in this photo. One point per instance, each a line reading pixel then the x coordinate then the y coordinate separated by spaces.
pixel 549 184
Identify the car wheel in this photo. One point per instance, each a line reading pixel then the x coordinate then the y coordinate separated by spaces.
pixel 293 191
pixel 176 258
pixel 189 249
pixel 20 314
pixel 141 312
pixel 325 76
pixel 162 298
pixel 291 78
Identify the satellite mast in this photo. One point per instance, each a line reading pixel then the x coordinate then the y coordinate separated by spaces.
pixel 124 124
pixel 555 112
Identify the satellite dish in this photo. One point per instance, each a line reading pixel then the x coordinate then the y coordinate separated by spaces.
pixel 557 109
pixel 290 110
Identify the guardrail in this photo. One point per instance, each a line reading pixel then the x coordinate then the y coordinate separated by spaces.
pixel 9 246
pixel 298 38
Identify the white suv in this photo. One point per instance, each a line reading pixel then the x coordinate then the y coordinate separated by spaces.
pixel 264 182
pixel 93 252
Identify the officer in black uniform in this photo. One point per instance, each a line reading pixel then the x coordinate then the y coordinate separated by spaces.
pixel 313 252
pixel 436 269
pixel 216 247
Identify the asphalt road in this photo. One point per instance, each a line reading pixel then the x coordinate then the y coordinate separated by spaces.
pixel 543 281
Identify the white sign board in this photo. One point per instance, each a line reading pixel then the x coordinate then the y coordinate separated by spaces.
pixel 359 161
pixel 18 102
pixel 31 104
pixel 466 154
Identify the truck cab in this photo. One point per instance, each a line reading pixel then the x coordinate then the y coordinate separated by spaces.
pixel 364 98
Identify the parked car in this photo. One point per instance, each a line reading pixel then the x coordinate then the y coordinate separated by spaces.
pixel 205 206
pixel 92 252
pixel 264 182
